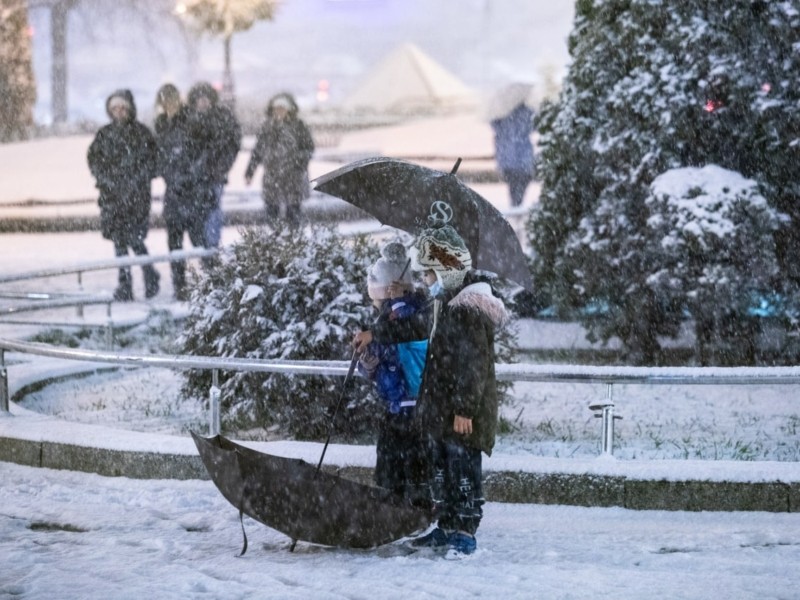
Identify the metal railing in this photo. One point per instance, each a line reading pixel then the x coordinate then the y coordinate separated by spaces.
pixel 112 263
pixel 37 301
pixel 610 376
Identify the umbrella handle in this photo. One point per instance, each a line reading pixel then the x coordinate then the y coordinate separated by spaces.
pixel 408 262
pixel 350 372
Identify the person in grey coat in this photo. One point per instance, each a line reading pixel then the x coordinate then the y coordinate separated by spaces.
pixel 284 147
pixel 122 159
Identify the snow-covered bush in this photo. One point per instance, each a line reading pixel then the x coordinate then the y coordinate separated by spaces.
pixel 714 254
pixel 284 295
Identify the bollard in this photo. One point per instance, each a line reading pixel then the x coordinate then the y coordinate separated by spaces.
pixel 109 328
pixel 79 308
pixel 3 382
pixel 608 417
pixel 213 403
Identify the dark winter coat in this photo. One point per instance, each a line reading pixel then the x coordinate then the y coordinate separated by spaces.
pixel 398 372
pixel 459 376
pixel 284 148
pixel 176 152
pixel 122 159
pixel 512 138
pixel 216 136
pixel 188 196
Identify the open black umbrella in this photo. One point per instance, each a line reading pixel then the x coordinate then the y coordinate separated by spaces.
pixel 410 197
pixel 304 502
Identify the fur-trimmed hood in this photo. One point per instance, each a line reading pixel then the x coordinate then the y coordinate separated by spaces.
pixel 479 296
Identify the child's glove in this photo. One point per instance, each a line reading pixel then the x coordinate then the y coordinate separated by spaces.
pixel 369 362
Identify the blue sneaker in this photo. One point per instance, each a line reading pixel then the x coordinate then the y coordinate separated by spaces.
pixel 460 545
pixel 436 538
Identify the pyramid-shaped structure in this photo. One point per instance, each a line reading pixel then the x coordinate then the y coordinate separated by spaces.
pixel 409 81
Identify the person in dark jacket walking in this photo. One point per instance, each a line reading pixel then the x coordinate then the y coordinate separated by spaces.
pixel 187 199
pixel 396 369
pixel 457 404
pixel 217 136
pixel 514 150
pixel 284 147
pixel 122 159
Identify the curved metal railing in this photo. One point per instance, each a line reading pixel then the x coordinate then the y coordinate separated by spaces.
pixel 608 375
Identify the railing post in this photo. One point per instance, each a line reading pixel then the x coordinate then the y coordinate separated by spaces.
pixel 80 288
pixel 213 404
pixel 3 382
pixel 608 417
pixel 109 328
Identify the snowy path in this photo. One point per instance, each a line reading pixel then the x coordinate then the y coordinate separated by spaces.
pixel 70 535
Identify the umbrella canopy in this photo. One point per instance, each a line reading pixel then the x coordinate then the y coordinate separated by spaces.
pixel 510 97
pixel 410 197
pixel 305 503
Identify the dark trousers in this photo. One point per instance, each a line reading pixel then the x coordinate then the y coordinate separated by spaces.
pixel 196 228
pixel 518 182
pixel 401 465
pixel 456 487
pixel 283 213
pixel 125 277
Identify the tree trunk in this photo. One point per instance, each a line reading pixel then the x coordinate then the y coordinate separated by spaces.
pixel 58 33
pixel 228 94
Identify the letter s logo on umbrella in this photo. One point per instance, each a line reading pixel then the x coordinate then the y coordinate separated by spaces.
pixel 441 213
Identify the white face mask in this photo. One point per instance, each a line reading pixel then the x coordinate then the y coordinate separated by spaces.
pixel 436 288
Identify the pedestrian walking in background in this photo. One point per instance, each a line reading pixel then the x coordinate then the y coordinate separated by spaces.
pixel 512 123
pixel 457 405
pixel 396 369
pixel 284 147
pixel 122 159
pixel 187 202
pixel 218 136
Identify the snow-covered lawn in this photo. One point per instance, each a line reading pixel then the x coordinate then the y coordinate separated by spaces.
pixel 73 535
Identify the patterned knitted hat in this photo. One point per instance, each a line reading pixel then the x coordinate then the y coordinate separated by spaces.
pixel 390 267
pixel 443 251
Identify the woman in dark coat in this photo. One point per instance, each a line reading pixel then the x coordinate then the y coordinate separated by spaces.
pixel 122 159
pixel 284 147
pixel 216 136
pixel 187 201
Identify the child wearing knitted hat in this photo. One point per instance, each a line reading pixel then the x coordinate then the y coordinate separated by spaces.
pixel 396 369
pixel 457 405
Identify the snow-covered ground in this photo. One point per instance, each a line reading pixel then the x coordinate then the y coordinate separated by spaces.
pixel 76 536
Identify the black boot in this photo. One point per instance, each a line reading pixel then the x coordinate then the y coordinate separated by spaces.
pixel 124 291
pixel 151 278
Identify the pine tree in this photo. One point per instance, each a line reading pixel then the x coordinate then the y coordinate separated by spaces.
pixel 655 85
pixel 17 84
